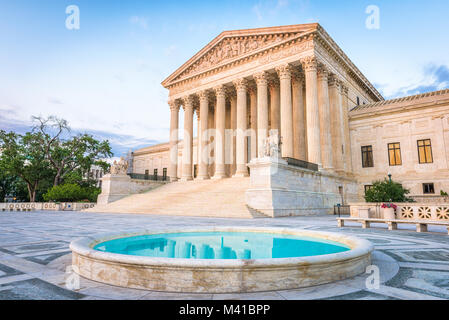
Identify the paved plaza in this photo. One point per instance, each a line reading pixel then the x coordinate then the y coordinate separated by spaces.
pixel 35 258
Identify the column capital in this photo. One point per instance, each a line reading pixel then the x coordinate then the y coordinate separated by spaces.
pixel 261 78
pixel 188 103
pixel 174 105
pixel 323 73
pixel 241 84
pixel 334 81
pixel 203 95
pixel 344 88
pixel 284 71
pixel 230 92
pixel 273 81
pixel 297 74
pixel 220 91
pixel 309 63
pixel 252 89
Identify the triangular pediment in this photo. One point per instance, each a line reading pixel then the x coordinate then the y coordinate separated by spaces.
pixel 234 45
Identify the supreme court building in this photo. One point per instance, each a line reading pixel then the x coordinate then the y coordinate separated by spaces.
pixel 296 80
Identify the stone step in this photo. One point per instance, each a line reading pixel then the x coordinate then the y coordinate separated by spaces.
pixel 208 198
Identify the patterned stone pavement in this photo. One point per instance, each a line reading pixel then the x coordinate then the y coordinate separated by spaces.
pixel 35 258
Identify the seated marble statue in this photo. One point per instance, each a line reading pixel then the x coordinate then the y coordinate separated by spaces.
pixel 119 168
pixel 273 144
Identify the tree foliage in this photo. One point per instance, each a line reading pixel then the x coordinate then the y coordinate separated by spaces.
pixel 22 156
pixel 72 193
pixel 387 191
pixel 49 156
pixel 77 153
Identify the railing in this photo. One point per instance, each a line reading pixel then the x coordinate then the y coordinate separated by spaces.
pixel 406 211
pixel 45 206
pixel 342 210
pixel 302 164
pixel 149 177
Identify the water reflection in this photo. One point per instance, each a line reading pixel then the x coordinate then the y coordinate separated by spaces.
pixel 220 246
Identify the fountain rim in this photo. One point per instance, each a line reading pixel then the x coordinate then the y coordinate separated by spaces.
pixel 358 247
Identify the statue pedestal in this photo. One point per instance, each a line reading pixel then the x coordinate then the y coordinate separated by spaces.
pixel 113 188
pixel 278 189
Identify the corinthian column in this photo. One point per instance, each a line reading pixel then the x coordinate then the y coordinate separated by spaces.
pixel 230 158
pixel 275 103
pixel 174 137
pixel 346 133
pixel 262 112
pixel 325 124
pixel 187 152
pixel 336 124
pixel 241 147
pixel 285 77
pixel 312 111
pixel 220 123
pixel 203 137
pixel 299 128
pixel 253 102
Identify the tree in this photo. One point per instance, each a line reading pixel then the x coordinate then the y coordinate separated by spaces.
pixel 72 193
pixel 22 156
pixel 387 191
pixel 77 153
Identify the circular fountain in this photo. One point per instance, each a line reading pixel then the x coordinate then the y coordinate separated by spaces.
pixel 220 259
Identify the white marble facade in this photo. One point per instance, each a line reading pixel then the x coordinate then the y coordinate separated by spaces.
pixel 297 80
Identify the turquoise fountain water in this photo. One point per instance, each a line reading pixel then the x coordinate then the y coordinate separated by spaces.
pixel 221 245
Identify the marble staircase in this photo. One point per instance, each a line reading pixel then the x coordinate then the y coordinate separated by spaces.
pixel 208 198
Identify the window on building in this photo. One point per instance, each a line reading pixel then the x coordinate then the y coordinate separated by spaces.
pixel 358 101
pixel 428 188
pixel 368 187
pixel 367 157
pixel 195 170
pixel 155 172
pixel 164 174
pixel 394 154
pixel 425 151
pixel 147 172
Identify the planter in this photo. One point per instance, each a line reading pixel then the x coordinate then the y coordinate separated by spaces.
pixel 364 213
pixel 388 213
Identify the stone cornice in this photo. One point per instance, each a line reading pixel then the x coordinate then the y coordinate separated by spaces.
pixel 429 99
pixel 337 53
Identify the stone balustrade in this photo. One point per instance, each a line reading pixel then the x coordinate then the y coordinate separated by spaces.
pixel 47 206
pixel 406 211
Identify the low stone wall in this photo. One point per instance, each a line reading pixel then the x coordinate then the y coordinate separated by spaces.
pixel 406 211
pixel 278 189
pixel 47 206
pixel 116 187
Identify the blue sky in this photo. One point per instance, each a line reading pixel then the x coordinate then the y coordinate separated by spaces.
pixel 105 77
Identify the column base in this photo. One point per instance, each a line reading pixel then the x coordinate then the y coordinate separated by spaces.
pixel 241 174
pixel 219 176
pixel 202 178
pixel 185 179
pixel 174 179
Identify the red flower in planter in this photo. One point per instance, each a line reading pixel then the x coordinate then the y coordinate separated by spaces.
pixel 389 205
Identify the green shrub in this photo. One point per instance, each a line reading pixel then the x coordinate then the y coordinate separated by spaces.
pixel 387 191
pixel 72 193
